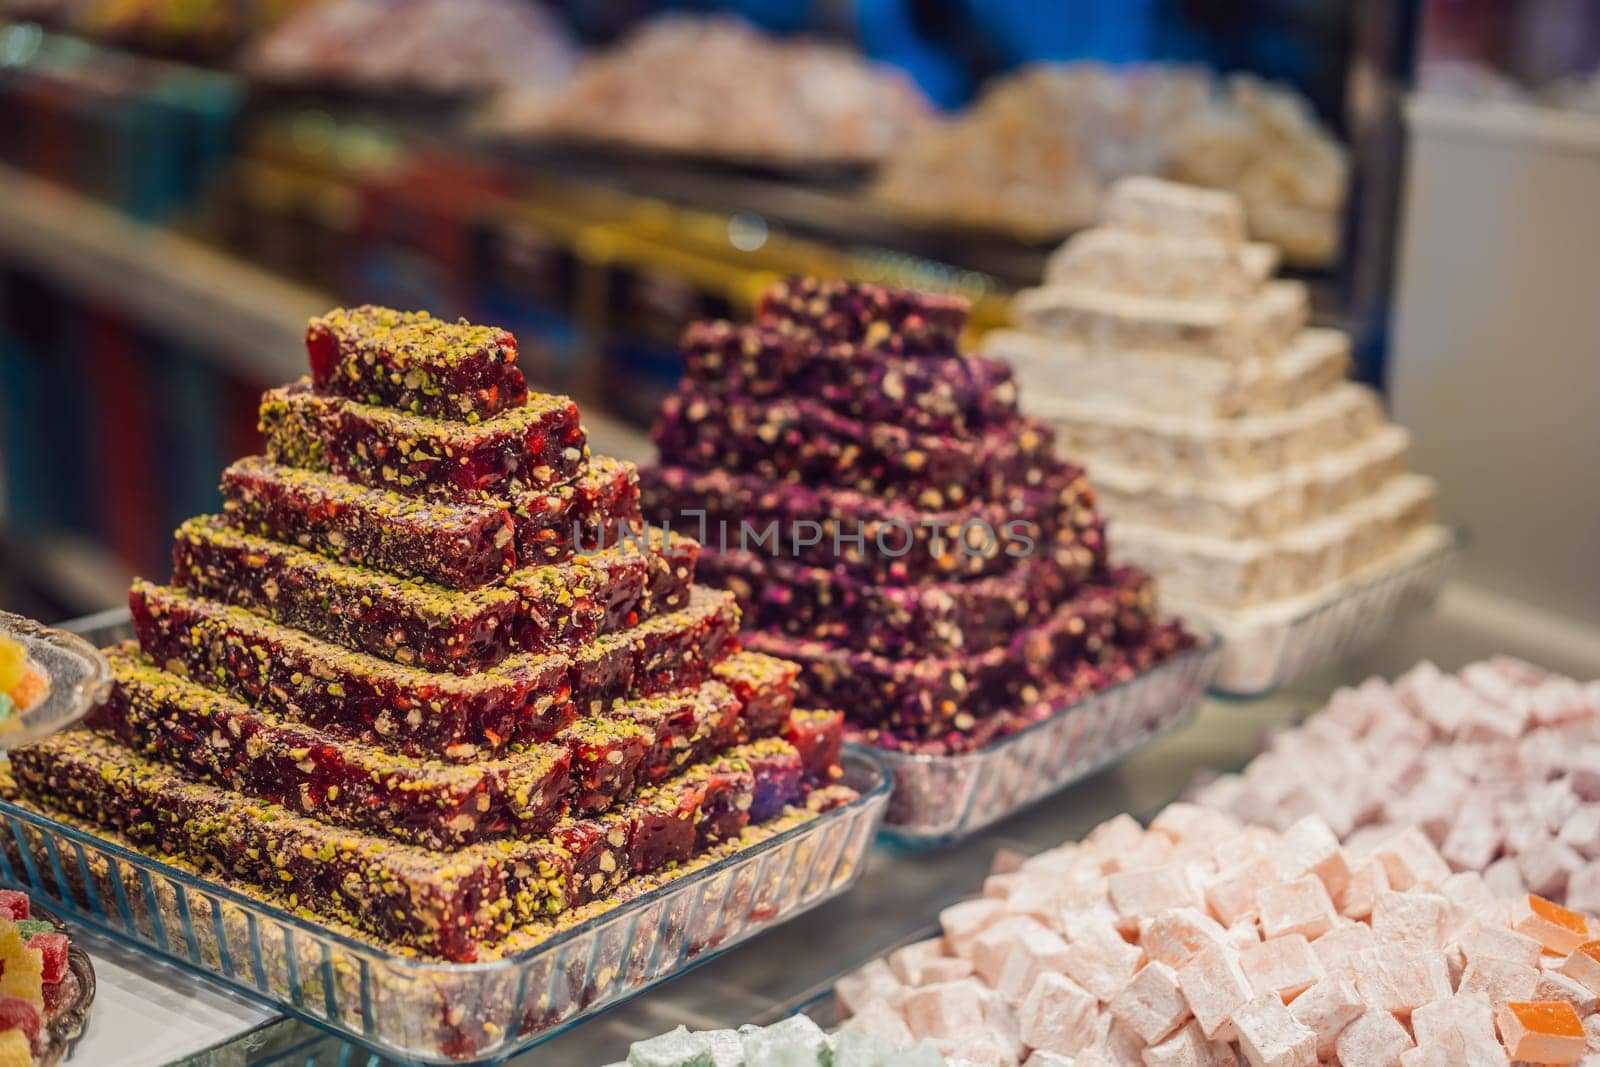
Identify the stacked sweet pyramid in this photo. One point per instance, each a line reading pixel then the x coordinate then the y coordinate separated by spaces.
pixel 386 688
pixel 891 523
pixel 1231 457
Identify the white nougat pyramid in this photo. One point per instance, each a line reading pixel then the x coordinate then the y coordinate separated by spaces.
pixel 1231 455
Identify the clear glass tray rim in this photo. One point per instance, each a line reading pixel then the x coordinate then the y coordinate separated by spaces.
pixel 872 780
pixel 1456 541
pixel 1208 644
pixel 1444 555
pixel 71 697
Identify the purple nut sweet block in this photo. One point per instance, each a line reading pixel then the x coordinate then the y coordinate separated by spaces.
pixel 802 440
pixel 582 515
pixel 875 540
pixel 944 393
pixel 252 751
pixel 462 546
pixel 535 446
pixel 920 697
pixel 930 619
pixel 413 361
pixel 445 904
pixel 1117 665
pixel 882 319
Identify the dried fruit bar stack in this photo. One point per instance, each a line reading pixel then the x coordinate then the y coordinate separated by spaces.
pixel 890 522
pixel 427 675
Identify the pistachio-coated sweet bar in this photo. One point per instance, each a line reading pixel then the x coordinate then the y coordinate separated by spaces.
pixel 445 904
pixel 413 361
pixel 765 686
pixel 527 698
pixel 404 620
pixel 430 803
pixel 535 446
pixel 459 545
pixel 407 620
pixel 587 513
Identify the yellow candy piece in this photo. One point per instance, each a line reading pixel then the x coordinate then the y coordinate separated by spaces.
pixel 16 982
pixel 28 961
pixel 13 662
pixel 14 1050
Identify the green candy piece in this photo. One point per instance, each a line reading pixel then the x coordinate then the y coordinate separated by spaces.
pixel 8 707
pixel 28 927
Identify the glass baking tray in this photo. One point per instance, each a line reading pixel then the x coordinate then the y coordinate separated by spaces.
pixel 939 799
pixel 427 1011
pixel 79 677
pixel 1259 657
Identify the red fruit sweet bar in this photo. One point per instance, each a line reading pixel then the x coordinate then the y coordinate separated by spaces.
pixel 605 753
pixel 442 904
pixel 765 687
pixel 461 545
pixel 535 446
pixel 680 650
pixel 252 751
pixel 527 698
pixel 582 515
pixel 413 361
pixel 879 318
pixel 352 694
pixel 818 735
pixel 405 621
pixel 685 727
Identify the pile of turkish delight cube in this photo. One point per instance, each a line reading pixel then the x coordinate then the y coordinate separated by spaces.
pixel 1201 942
pixel 1497 766
pixel 891 523
pixel 426 677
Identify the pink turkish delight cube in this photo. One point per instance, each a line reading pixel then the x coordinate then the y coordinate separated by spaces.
pixel 1151 1004
pixel 1270 1037
pixel 1298 907
pixel 1056 1015
pixel 1285 966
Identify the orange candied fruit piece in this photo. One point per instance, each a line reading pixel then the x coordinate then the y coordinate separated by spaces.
pixel 1542 1031
pixel 1557 1018
pixel 30 690
pixel 1554 913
